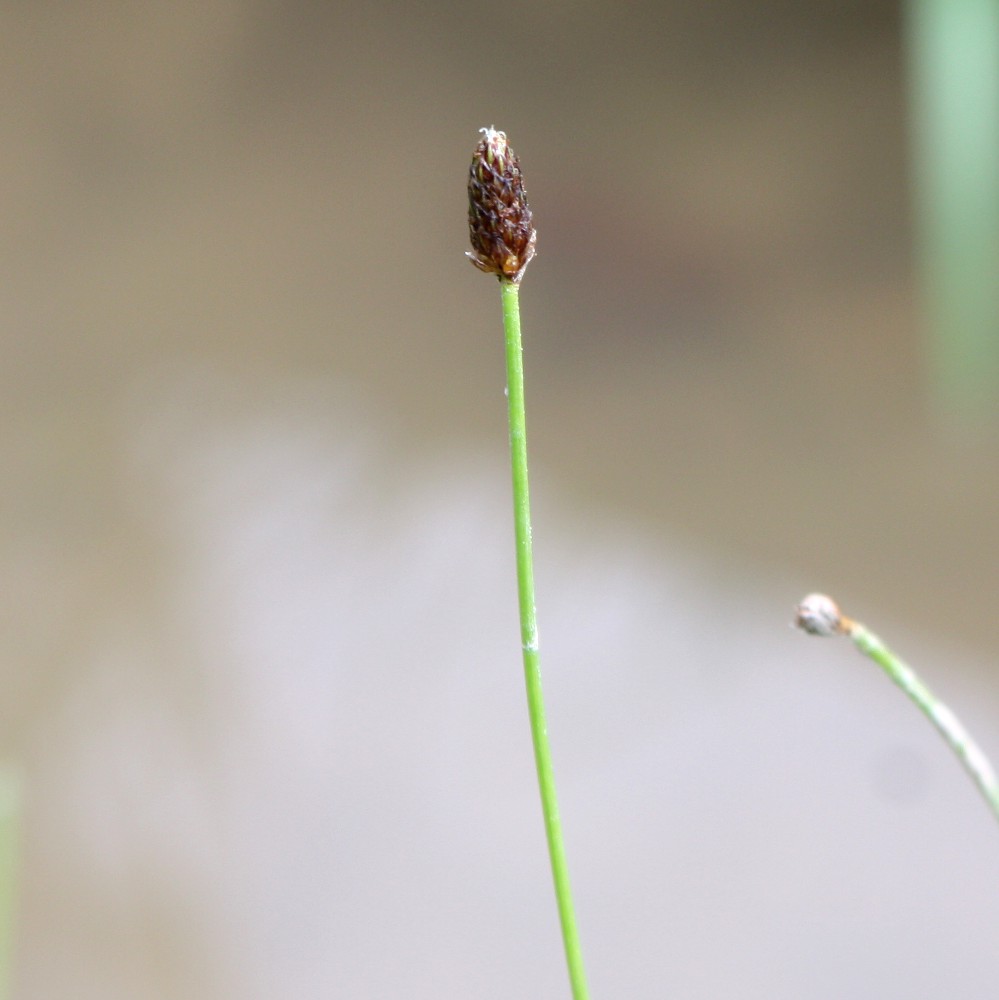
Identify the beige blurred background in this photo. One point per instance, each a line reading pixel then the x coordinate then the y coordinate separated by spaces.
pixel 262 670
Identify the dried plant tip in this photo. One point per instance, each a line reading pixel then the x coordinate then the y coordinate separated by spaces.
pixel 499 219
pixel 820 615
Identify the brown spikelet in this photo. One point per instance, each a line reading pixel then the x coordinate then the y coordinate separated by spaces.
pixel 499 218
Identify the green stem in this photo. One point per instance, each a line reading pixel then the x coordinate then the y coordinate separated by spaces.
pixel 953 48
pixel 946 722
pixel 10 824
pixel 529 637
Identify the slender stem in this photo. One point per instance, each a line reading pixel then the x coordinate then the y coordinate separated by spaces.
pixel 946 722
pixel 10 823
pixel 529 637
pixel 953 49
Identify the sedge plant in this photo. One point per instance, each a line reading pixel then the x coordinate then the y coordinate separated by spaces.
pixel 503 238
pixel 503 241
pixel 818 614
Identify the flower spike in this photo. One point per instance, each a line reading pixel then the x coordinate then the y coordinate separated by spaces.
pixel 499 218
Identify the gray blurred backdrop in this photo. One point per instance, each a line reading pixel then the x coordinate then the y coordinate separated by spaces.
pixel 262 669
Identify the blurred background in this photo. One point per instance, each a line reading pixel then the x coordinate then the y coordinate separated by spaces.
pixel 262 682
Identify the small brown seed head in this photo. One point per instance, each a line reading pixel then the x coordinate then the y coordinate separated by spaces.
pixel 499 218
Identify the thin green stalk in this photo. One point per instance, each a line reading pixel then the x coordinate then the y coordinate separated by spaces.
pixel 502 234
pixel 946 722
pixel 953 54
pixel 820 615
pixel 529 637
pixel 10 824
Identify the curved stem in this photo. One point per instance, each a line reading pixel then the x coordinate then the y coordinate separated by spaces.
pixel 529 637
pixel 819 614
pixel 946 722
